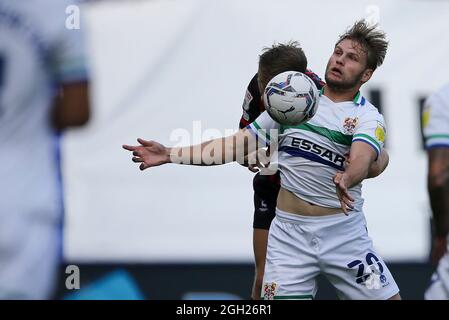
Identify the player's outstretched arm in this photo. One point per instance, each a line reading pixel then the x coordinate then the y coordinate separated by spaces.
pixel 213 152
pixel 362 157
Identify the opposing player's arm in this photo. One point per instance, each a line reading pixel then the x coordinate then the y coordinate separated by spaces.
pixel 251 103
pixel 250 109
pixel 213 152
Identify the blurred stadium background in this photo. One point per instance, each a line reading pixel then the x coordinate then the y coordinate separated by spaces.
pixel 176 72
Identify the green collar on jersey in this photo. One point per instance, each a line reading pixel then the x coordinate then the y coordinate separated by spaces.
pixel 358 99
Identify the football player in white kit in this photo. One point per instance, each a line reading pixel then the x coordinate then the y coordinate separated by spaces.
pixel 42 88
pixel 436 132
pixel 319 225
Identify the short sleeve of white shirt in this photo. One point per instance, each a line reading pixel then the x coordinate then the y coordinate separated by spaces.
pixel 371 129
pixel 264 128
pixel 435 119
pixel 68 57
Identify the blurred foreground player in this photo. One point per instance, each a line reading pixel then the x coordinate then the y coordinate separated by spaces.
pixel 43 89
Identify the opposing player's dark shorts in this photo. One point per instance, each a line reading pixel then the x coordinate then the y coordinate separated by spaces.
pixel 266 189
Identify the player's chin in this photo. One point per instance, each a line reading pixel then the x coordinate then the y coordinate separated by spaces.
pixel 335 80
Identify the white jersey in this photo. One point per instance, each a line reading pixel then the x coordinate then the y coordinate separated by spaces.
pixel 435 119
pixel 312 153
pixel 37 52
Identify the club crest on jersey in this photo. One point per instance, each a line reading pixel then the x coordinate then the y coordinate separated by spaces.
pixel 269 290
pixel 380 132
pixel 349 125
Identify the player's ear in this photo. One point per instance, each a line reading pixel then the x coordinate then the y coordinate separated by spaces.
pixel 367 75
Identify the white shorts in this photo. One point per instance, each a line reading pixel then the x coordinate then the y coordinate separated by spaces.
pixel 439 284
pixel 337 246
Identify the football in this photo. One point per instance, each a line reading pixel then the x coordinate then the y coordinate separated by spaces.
pixel 291 98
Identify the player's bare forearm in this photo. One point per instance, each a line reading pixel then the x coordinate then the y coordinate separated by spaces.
pixel 209 153
pixel 214 152
pixel 361 158
pixel 358 170
pixel 438 187
pixel 379 166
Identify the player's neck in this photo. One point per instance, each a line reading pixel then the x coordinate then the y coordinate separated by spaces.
pixel 340 95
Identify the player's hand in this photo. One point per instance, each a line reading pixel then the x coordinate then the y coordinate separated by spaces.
pixel 258 160
pixel 342 192
pixel 439 248
pixel 148 154
pixel 254 167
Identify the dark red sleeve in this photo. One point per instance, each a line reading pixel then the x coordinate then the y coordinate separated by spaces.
pixel 315 78
pixel 251 107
